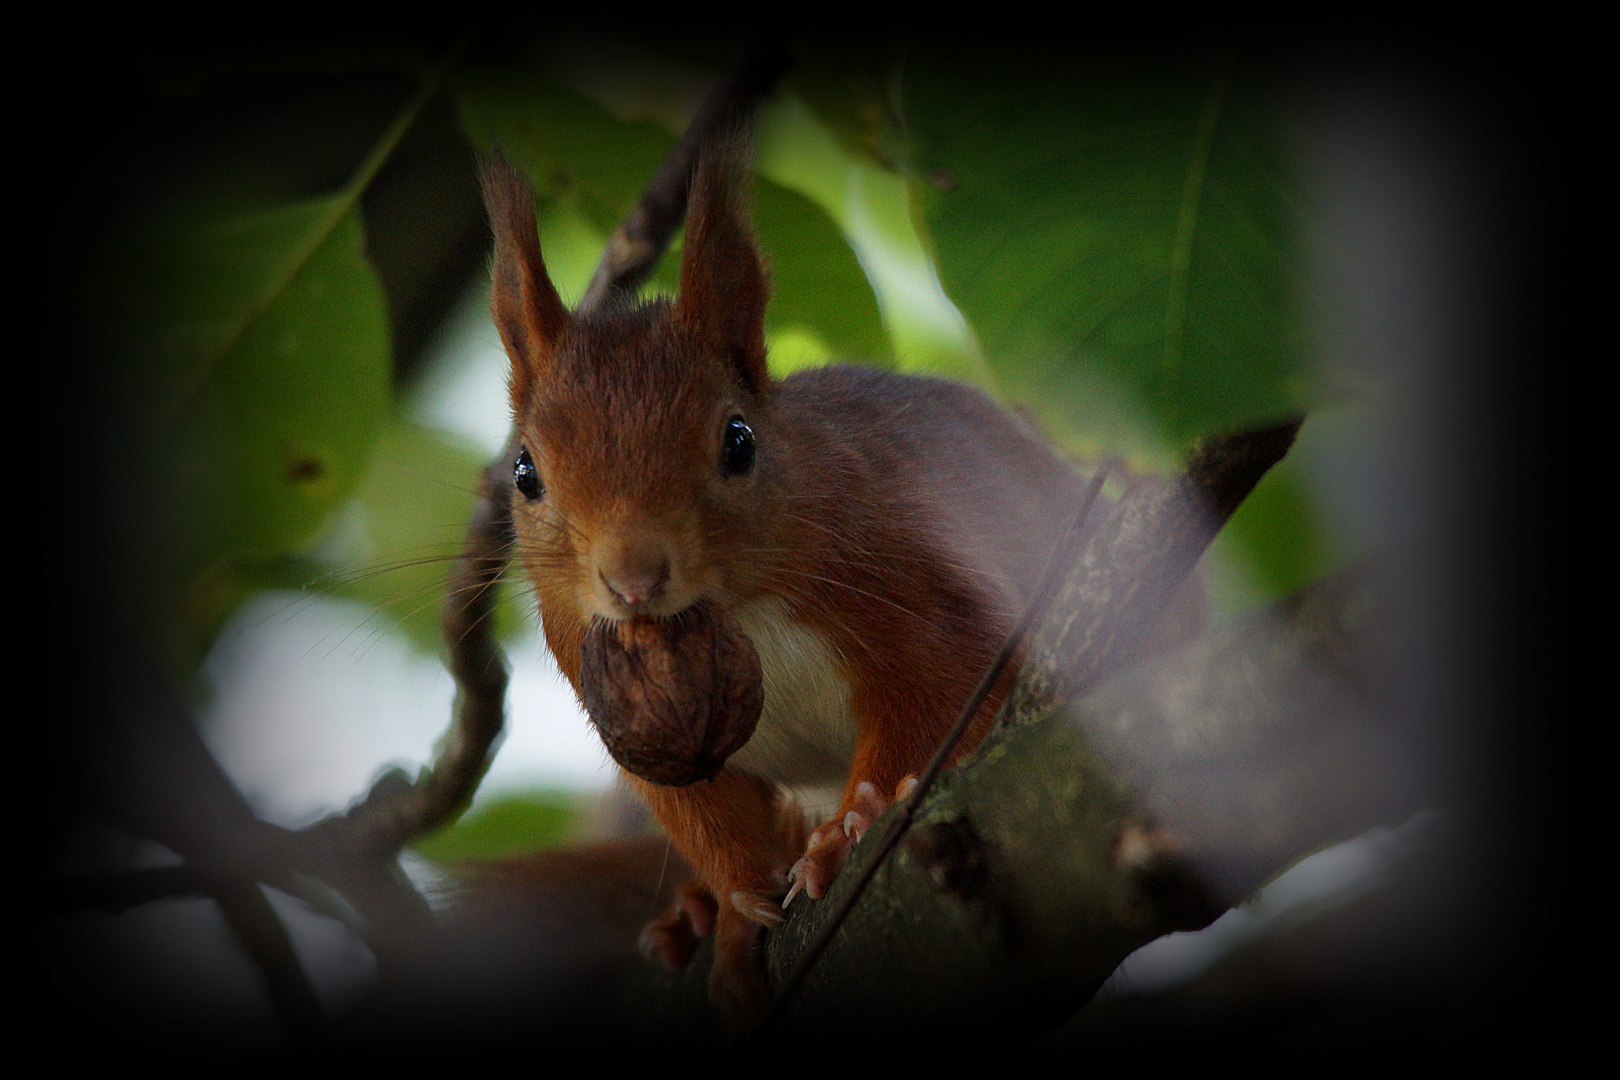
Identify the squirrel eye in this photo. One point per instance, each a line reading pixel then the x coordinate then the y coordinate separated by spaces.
pixel 736 448
pixel 526 476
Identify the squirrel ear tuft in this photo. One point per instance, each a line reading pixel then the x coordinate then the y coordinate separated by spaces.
pixel 724 287
pixel 528 312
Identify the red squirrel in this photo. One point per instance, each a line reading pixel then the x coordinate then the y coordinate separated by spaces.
pixel 874 534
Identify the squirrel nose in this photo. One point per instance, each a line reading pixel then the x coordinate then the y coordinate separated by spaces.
pixel 637 582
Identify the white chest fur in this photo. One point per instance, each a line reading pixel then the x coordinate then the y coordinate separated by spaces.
pixel 806 736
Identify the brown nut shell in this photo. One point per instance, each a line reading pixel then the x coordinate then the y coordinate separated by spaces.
pixel 672 698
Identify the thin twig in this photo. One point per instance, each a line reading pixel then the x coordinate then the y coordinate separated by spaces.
pixel 398 810
pixel 1056 565
pixel 260 930
pixel 640 241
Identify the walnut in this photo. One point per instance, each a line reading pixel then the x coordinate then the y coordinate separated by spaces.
pixel 672 698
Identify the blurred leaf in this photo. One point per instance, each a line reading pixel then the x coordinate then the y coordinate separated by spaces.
pixel 852 86
pixel 1130 223
pixel 511 825
pixel 1276 535
pixel 572 247
pixel 873 211
pixel 267 341
pixel 571 148
pixel 1283 536
pixel 397 538
pixel 589 168
pixel 795 349
pixel 202 286
pixel 816 282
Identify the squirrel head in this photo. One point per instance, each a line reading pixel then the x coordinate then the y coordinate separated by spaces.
pixel 644 474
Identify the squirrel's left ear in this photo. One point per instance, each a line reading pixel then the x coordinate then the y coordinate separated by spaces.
pixel 724 287
pixel 528 312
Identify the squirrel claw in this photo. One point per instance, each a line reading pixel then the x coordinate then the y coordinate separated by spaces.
pixel 829 846
pixel 811 874
pixel 868 801
pixel 855 825
pixel 801 878
pixel 757 909
pixel 869 804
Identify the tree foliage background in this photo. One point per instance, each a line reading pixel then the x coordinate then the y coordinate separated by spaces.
pixel 262 240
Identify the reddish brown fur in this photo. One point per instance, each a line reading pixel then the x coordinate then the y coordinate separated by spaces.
pixel 528 312
pixel 903 520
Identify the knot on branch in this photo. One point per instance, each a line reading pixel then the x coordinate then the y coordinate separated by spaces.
pixel 1165 888
pixel 952 856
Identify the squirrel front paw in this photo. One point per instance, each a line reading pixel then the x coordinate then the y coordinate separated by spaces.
pixel 829 846
pixel 671 938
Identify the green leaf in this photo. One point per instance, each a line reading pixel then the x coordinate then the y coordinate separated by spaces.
pixel 1121 234
pixel 817 286
pixel 572 149
pixel 822 306
pixel 507 826
pixel 264 342
pixel 1283 537
pixel 1276 536
pixel 397 538
pixel 873 211
pixel 851 84
pixel 589 168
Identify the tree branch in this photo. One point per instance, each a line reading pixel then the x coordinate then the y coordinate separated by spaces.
pixel 261 933
pixel 1037 867
pixel 636 245
pixel 1157 533
pixel 1269 739
pixel 1132 563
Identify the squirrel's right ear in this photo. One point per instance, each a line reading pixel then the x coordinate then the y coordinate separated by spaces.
pixel 528 312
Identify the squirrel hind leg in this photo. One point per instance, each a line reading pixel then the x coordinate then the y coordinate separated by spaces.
pixel 671 938
pixel 737 982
